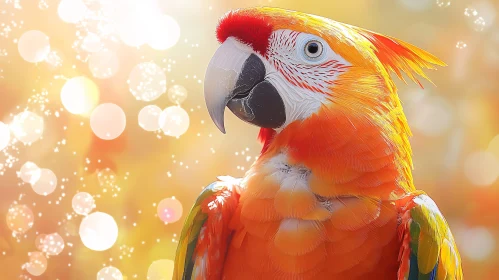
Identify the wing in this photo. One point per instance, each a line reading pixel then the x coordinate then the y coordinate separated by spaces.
pixel 205 237
pixel 428 249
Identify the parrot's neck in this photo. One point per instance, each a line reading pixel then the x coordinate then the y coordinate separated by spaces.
pixel 345 155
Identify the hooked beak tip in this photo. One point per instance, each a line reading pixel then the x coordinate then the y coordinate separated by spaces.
pixel 217 116
pixel 221 78
pixel 221 128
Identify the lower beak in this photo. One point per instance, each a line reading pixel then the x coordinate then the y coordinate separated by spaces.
pixel 236 78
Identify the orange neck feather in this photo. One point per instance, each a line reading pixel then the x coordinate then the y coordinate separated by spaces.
pixel 350 154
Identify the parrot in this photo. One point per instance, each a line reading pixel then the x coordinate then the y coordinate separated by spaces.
pixel 331 195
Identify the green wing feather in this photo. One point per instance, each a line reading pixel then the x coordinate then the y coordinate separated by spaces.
pixel 223 197
pixel 184 261
pixel 429 248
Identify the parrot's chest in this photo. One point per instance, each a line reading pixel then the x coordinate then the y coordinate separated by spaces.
pixel 283 230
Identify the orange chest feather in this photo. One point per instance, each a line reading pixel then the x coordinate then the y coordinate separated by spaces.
pixel 285 230
pixel 348 155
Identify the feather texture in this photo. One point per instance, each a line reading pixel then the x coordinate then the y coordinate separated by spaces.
pixel 401 57
pixel 331 195
pixel 342 237
pixel 205 237
pixel 363 98
pixel 428 250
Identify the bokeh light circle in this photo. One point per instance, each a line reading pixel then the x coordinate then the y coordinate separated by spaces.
pixel 481 15
pixel 83 203
pixel 132 25
pixel 164 33
pixel 132 33
pixel 72 11
pixel 481 168
pixel 160 270
pixel 106 178
pixel 46 184
pixel 54 59
pixel 177 94
pixel 416 5
pixel 53 244
pixel 461 45
pixel 37 264
pixel 431 115
pixel 40 241
pixel 149 117
pixel 43 5
pixel 29 172
pixel 169 210
pixel 98 231
pixel 5 135
pixel 70 227
pixel 494 146
pixel 479 243
pixel 108 121
pixel 103 64
pixel 33 46
pixel 27 127
pixel 443 3
pixel 79 95
pixel 109 273
pixel 479 24
pixel 147 81
pixel 174 121
pixel 20 218
pixel 92 43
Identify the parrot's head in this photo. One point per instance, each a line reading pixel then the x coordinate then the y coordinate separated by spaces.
pixel 277 67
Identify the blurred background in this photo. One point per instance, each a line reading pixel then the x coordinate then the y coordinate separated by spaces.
pixel 105 141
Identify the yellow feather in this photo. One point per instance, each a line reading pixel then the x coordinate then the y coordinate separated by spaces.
pixel 435 245
pixel 428 251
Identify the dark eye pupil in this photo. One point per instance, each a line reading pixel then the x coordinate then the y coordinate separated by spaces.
pixel 313 48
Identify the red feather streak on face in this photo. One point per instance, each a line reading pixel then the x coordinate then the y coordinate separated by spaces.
pixel 265 136
pixel 252 30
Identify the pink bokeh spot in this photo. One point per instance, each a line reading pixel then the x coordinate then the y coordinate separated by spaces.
pixel 168 215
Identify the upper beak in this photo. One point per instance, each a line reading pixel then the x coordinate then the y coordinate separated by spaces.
pixel 236 78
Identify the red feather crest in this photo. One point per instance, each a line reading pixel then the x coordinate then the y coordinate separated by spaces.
pixel 250 29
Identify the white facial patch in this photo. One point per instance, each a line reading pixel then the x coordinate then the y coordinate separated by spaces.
pixel 302 81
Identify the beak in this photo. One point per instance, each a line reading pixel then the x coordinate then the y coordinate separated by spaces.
pixel 236 78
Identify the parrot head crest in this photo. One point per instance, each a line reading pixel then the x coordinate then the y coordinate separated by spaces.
pixel 252 30
pixel 278 67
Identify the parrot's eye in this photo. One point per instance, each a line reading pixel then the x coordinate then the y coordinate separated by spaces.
pixel 313 48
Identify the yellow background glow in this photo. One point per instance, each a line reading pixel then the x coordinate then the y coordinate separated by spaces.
pixel 455 123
